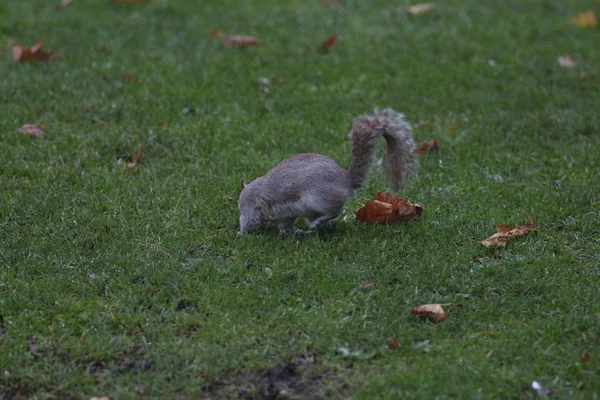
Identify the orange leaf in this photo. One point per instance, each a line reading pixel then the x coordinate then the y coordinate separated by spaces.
pixel 32 130
pixel 241 41
pixel 426 146
pixel 500 238
pixel 328 43
pixel 418 9
pixel 434 312
pixel 33 53
pixel 385 207
pixel 585 19
pixel 451 128
pixel 393 344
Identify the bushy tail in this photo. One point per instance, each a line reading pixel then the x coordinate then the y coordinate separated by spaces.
pixel 398 158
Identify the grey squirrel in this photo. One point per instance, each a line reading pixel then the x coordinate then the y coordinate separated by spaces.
pixel 317 188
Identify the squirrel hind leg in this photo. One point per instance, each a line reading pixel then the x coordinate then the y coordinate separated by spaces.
pixel 285 225
pixel 320 222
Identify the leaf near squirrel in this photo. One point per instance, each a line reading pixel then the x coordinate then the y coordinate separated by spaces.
pixel 585 20
pixel 32 130
pixel 418 9
pixel 503 232
pixel 328 43
pixel 426 146
pixel 385 207
pixel 33 53
pixel 241 41
pixel 434 312
pixel 131 162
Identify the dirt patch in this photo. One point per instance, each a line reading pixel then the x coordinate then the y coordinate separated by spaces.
pixel 300 378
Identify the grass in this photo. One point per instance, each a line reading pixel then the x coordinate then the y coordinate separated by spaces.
pixel 131 282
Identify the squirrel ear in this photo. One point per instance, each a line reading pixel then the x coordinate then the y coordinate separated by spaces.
pixel 243 184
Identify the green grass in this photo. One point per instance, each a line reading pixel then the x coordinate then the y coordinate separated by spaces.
pixel 126 281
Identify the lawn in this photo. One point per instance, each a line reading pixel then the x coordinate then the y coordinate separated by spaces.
pixel 131 282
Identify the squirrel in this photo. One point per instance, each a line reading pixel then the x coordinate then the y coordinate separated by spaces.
pixel 316 187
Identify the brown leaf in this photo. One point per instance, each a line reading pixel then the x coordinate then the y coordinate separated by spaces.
pixel 32 130
pixel 451 128
pixel 240 41
pixel 566 61
pixel 585 19
pixel 130 162
pixel 500 238
pixel 393 344
pixel 418 9
pixel 127 78
pixel 101 398
pixel 214 34
pixel 328 43
pixel 368 285
pixel 426 146
pixel 33 53
pixel 585 358
pixel 434 312
pixel 63 4
pixel 129 1
pixel 385 207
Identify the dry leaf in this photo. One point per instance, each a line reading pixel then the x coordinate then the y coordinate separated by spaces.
pixel 566 61
pixel 33 53
pixel 130 162
pixel 101 398
pixel 129 1
pixel 63 4
pixel 393 344
pixel 585 358
pixel 368 285
pixel 426 146
pixel 328 43
pixel 32 130
pixel 241 41
pixel 434 312
pixel 420 8
pixel 386 207
pixel 503 232
pixel 419 124
pixel 128 78
pixel 451 128
pixel 585 20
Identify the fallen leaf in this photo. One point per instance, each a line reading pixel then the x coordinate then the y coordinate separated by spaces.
pixel 240 41
pixel 503 232
pixel 63 4
pixel 585 19
pixel 418 9
pixel 214 34
pixel 451 128
pixel 368 285
pixel 328 43
pixel 128 78
pixel 393 344
pixel 33 53
pixel 129 1
pixel 426 146
pixel 419 124
pixel 32 130
pixel 130 162
pixel 385 207
pixel 585 358
pixel 434 312
pixel 566 61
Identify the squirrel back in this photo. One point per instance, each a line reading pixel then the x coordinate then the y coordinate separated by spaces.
pixel 315 187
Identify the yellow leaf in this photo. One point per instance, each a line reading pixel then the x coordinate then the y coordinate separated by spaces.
pixel 585 19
